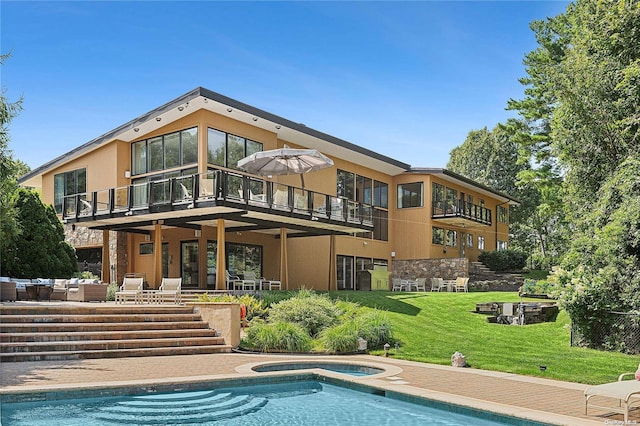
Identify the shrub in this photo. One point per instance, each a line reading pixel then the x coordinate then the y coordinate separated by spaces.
pixel 503 260
pixel 311 311
pixel 375 327
pixel 340 338
pixel 111 291
pixel 277 336
pixel 255 307
pixel 538 287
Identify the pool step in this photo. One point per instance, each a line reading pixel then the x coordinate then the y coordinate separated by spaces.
pixel 201 408
pixel 36 333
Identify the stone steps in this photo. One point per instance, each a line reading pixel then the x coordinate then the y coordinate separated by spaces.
pixel 55 332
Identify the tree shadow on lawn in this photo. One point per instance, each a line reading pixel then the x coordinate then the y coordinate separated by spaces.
pixel 392 302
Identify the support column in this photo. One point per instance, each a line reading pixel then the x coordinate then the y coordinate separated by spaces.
pixel 333 268
pixel 105 277
pixel 284 267
pixel 221 265
pixel 157 252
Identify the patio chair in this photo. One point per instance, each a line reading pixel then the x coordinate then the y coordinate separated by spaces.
pixel 169 290
pixel 421 284
pixel 248 281
pixel 435 284
pixel 131 288
pixel 462 284
pixel 397 285
pixel 627 392
pixel 231 280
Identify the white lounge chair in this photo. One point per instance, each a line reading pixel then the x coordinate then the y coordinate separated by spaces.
pixel 231 280
pixel 436 284
pixel 169 290
pixel 627 392
pixel 131 288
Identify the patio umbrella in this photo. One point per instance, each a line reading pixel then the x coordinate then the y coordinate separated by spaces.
pixel 285 161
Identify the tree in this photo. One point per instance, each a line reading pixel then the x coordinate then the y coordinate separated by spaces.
pixel 10 170
pixel 41 250
pixel 494 158
pixel 582 103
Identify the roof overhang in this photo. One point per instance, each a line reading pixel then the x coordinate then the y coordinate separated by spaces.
pixel 203 99
pixel 458 179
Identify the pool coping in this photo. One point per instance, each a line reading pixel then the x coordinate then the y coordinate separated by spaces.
pixel 388 382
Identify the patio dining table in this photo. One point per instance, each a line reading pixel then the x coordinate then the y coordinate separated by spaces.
pixel 449 285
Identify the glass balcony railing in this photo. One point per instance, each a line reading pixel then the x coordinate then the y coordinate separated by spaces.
pixel 461 208
pixel 215 188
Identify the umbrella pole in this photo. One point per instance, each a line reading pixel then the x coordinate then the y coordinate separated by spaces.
pixel 302 179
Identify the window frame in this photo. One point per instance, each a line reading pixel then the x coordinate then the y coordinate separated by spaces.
pixel 141 157
pixel 419 193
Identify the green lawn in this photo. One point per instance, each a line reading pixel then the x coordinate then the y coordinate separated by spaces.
pixel 430 327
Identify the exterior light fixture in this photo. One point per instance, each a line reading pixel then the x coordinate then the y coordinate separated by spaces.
pixel 206 100
pixel 229 109
pixel 198 233
pixel 136 129
pixel 158 118
pixel 255 118
pixel 180 108
pixel 278 126
pixel 386 349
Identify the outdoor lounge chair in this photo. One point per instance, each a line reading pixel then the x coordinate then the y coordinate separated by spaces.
pixel 131 288
pixel 248 281
pixel 231 280
pixel 169 290
pixel 627 392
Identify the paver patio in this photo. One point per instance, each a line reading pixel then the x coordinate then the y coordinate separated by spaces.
pixel 545 400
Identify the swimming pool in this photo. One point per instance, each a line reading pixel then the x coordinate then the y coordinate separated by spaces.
pixel 297 400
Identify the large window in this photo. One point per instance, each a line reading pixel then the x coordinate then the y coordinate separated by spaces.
pixel 189 263
pixel 437 195
pixel 452 199
pixel 165 152
pixel 452 238
pixel 380 194
pixel 437 235
pixel 225 150
pixel 410 195
pixel 244 257
pixel 502 214
pixel 346 185
pixel 367 191
pixel 68 183
pixel 345 272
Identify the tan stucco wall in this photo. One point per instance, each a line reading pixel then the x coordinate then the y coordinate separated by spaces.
pixel 409 229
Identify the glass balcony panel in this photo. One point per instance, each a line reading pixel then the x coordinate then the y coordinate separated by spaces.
pixel 280 196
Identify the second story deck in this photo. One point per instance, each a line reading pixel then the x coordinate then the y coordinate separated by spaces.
pixel 461 211
pixel 249 203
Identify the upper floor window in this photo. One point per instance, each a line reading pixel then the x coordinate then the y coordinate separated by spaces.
pixel 503 215
pixel 452 199
pixel 165 151
pixel 410 195
pixel 346 184
pixel 225 149
pixel 380 194
pixel 68 183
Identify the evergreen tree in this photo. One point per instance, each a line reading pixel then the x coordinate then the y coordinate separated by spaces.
pixel 41 250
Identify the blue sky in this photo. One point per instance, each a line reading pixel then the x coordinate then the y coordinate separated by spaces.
pixel 406 79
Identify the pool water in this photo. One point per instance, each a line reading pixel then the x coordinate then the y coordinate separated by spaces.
pixel 292 403
pixel 350 369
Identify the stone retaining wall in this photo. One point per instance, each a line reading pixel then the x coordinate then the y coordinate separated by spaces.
pixel 448 269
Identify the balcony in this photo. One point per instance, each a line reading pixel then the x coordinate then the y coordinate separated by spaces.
pixel 193 200
pixel 460 212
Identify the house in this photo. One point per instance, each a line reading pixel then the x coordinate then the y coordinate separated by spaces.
pixel 162 196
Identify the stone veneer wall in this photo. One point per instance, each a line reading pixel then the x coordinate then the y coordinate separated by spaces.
pixel 448 268
pixel 85 237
